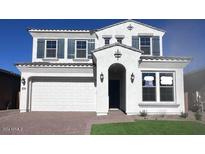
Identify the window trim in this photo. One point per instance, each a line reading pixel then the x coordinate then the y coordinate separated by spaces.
pixel 45 49
pixel 119 38
pixel 151 87
pixel 90 42
pixel 150 44
pixel 106 38
pixel 174 86
pixel 157 75
pixel 76 49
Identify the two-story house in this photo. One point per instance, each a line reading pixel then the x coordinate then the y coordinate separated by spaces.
pixel 120 66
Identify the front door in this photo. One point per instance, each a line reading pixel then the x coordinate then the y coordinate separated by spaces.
pixel 114 93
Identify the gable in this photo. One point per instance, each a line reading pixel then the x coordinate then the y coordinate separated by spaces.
pixel 122 30
pixel 108 52
pixel 132 25
pixel 119 45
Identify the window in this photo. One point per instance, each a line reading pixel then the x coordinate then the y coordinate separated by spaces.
pixel 149 86
pixel 91 47
pixel 166 87
pixel 158 86
pixel 51 49
pixel 107 41
pixel 145 45
pixel 81 49
pixel 119 40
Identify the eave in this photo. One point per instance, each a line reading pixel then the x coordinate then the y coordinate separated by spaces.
pixel 57 69
pixel 9 73
pixel 58 30
pixel 117 44
pixel 163 62
pixel 134 21
pixel 53 65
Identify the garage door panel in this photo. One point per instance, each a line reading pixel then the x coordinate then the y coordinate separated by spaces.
pixel 57 95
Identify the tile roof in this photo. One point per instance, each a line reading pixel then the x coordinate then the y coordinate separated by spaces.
pixel 165 58
pixel 54 64
pixel 91 31
pixel 130 20
pixel 59 30
pixel 9 72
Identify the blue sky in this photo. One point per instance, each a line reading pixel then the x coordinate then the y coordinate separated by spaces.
pixel 182 38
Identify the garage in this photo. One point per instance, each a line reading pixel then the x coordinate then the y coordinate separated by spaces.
pixel 63 94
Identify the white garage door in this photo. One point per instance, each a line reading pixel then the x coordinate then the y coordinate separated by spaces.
pixel 51 94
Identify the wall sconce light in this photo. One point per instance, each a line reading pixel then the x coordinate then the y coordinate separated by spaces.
pixel 132 77
pixel 23 81
pixel 101 77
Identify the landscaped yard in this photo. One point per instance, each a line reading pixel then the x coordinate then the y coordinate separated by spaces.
pixel 150 127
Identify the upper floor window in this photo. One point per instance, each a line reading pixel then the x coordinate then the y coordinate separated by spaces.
pixel 51 49
pixel 145 45
pixel 81 49
pixel 107 41
pixel 119 40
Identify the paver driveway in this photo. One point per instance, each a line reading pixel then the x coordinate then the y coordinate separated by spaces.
pixel 61 123
pixel 55 122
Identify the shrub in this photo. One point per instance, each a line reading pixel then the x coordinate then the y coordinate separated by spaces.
pixel 143 113
pixel 184 115
pixel 198 115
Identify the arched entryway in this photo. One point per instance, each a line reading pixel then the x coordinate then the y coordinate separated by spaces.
pixel 117 87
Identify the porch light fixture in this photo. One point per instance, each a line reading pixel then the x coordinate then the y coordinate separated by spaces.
pixel 23 81
pixel 101 77
pixel 132 77
pixel 118 54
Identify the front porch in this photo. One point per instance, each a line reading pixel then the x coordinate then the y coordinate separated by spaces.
pixel 118 79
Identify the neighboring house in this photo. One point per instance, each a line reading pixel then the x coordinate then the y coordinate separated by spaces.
pixel 9 90
pixel 194 86
pixel 119 66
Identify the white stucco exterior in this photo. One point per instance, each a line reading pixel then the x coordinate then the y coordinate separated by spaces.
pixel 119 30
pixel 83 85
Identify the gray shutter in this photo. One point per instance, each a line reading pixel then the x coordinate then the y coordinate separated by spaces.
pixel 61 48
pixel 155 46
pixel 40 48
pixel 135 42
pixel 91 47
pixel 71 48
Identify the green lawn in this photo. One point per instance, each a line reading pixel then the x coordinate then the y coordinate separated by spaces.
pixel 149 127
